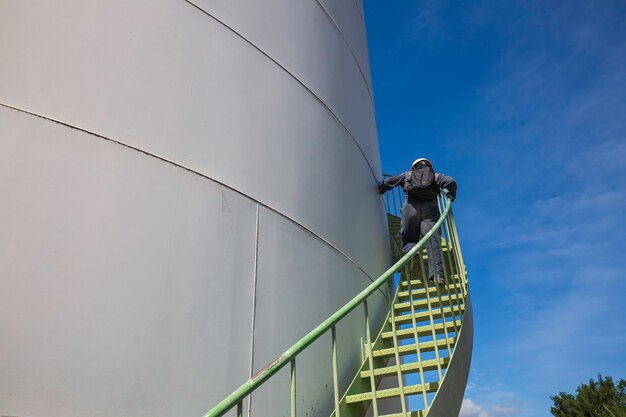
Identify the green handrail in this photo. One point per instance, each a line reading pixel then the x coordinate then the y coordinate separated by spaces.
pixel 277 364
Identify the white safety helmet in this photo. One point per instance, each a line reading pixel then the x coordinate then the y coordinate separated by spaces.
pixel 417 161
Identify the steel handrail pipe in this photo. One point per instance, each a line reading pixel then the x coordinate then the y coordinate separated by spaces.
pixel 277 364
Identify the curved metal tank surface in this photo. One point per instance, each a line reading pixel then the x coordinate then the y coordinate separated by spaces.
pixel 188 188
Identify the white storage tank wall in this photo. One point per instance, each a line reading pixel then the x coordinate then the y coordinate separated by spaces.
pixel 188 188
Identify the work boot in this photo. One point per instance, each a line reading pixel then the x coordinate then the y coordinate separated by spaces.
pixel 441 281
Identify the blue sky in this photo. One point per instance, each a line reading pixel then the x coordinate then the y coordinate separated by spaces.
pixel 524 103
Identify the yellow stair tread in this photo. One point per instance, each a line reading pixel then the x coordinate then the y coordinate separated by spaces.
pixel 432 290
pixel 418 413
pixel 406 368
pixel 420 284
pixel 411 349
pixel 424 315
pixel 421 330
pixel 423 303
pixel 392 392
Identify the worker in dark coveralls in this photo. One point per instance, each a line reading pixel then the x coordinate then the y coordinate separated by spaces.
pixel 420 211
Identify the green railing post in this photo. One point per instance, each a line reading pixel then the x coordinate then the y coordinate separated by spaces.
pixel 452 266
pixel 370 359
pixel 461 266
pixel 293 388
pixel 395 348
pixel 335 372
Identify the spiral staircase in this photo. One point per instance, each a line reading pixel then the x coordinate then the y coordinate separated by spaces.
pixel 418 363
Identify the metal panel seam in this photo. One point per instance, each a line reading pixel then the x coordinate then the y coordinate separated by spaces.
pixel 322 102
pixel 338 30
pixel 178 165
pixel 361 11
pixel 369 91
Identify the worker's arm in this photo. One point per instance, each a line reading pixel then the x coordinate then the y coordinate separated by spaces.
pixel 391 182
pixel 443 181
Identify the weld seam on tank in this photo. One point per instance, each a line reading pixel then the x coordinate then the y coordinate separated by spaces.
pixel 327 107
pixel 178 165
pixel 358 64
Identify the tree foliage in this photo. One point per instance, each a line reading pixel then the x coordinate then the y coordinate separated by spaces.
pixel 601 398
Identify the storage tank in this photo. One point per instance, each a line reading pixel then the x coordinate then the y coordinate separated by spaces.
pixel 188 187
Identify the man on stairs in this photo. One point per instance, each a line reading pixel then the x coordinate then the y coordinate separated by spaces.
pixel 420 211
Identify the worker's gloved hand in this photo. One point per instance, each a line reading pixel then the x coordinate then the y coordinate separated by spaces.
pixel 381 188
pixel 450 195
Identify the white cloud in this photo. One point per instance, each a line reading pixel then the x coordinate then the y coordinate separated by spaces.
pixel 497 410
pixel 470 409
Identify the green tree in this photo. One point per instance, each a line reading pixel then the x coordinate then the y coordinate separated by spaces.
pixel 601 398
pixel 616 409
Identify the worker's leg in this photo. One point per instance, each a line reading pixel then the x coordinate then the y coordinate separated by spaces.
pixel 429 218
pixel 409 227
